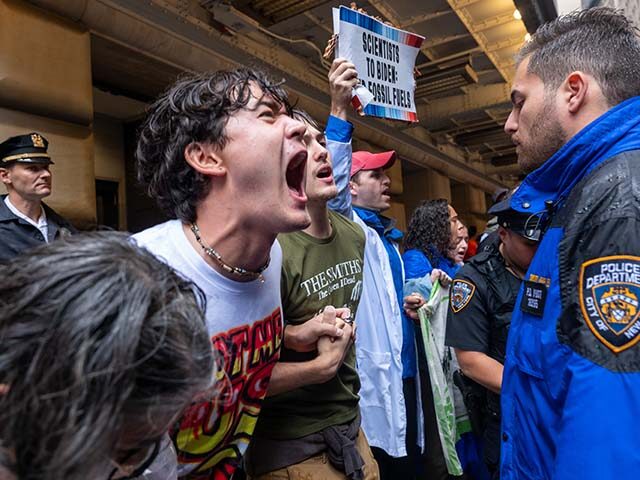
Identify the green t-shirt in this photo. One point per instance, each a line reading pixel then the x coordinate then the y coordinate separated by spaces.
pixel 317 273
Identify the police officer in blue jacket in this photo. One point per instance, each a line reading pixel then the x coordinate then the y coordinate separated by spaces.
pixel 571 385
pixel 25 221
pixel 482 299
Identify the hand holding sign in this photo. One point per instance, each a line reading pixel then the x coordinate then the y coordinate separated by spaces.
pixel 343 78
pixel 384 58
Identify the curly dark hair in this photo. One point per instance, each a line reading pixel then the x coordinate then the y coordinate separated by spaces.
pixel 99 339
pixel 195 109
pixel 429 229
pixel 599 41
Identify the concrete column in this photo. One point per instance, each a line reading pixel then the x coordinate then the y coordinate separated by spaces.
pixel 109 159
pixel 398 212
pixel 470 203
pixel 426 184
pixel 395 174
pixel 45 86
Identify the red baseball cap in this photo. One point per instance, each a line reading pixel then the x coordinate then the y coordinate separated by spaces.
pixel 371 161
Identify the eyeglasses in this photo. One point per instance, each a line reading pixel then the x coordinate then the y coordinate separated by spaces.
pixel 139 459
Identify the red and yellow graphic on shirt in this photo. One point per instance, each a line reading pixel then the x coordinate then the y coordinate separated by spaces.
pixel 214 435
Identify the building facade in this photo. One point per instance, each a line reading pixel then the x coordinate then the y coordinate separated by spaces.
pixel 82 72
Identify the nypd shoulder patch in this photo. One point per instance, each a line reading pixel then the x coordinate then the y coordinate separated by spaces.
pixel 461 293
pixel 609 291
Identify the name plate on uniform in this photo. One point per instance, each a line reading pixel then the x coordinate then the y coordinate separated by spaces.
pixel 533 298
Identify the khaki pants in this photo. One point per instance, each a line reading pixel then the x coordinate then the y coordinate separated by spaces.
pixel 319 467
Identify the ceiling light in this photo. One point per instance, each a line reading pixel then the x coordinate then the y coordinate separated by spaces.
pixel 517 15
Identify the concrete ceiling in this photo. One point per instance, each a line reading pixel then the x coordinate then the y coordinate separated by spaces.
pixel 466 63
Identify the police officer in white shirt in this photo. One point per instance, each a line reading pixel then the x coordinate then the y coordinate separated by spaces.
pixel 25 221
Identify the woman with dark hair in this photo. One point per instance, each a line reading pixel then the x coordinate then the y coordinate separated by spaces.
pixel 433 229
pixel 430 251
pixel 429 256
pixel 103 346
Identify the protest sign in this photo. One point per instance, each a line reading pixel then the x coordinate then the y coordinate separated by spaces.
pixel 384 57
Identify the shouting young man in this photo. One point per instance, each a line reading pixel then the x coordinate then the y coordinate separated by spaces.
pixel 222 155
pixel 310 423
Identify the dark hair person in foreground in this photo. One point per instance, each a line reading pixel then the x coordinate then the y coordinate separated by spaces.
pixel 103 346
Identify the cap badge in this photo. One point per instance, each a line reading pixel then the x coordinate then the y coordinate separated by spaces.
pixel 37 140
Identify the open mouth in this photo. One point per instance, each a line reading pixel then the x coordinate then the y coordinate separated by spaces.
pixel 324 172
pixel 295 176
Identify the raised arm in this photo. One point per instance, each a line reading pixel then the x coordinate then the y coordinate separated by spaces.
pixel 342 78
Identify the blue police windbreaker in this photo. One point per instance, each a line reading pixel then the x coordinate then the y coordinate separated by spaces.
pixel 571 387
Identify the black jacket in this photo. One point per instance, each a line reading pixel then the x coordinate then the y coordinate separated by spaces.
pixel 482 298
pixel 18 235
pixel 601 220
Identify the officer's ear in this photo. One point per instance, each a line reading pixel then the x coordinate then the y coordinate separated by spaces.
pixel 5 175
pixel 503 233
pixel 575 89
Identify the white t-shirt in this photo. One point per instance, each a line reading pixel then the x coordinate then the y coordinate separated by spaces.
pixel 245 323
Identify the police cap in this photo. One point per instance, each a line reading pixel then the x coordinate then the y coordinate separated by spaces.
pixel 526 225
pixel 29 148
